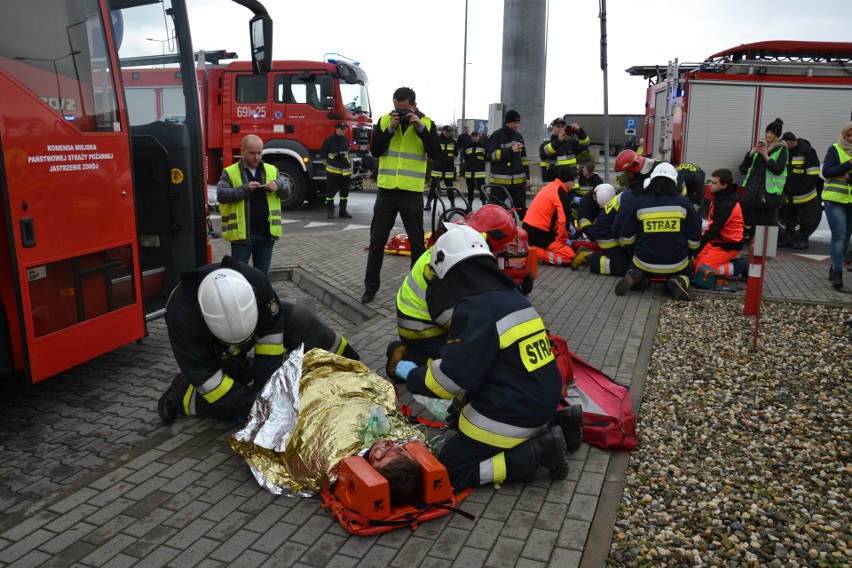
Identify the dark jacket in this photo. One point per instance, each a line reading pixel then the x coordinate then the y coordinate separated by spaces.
pixel 449 150
pixel 802 172
pixel 507 167
pixel 335 154
pixel 585 184
pixel 754 167
pixel 474 159
pixel 725 221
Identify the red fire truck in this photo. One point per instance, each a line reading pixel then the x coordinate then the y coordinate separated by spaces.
pixel 293 109
pixel 99 217
pixel 711 113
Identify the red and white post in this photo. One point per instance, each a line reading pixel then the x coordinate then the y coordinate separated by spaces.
pixel 764 246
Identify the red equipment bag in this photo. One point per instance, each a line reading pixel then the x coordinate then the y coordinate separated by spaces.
pixel 608 419
pixel 563 360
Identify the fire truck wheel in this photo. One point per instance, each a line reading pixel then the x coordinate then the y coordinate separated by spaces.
pixel 295 196
pixel 527 284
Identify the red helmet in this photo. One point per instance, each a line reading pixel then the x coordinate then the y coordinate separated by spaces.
pixel 630 161
pixel 497 224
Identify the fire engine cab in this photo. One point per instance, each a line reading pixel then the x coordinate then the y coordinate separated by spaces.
pixel 293 109
pixel 99 217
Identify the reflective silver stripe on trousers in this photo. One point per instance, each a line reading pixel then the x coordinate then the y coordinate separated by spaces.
pixel 500 428
pixel 486 472
pixel 212 383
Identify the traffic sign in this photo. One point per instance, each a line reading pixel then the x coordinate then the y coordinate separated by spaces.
pixel 630 124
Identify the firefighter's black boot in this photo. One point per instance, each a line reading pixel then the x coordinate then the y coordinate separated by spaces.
pixel 342 212
pixel 549 449
pixel 570 420
pixel 329 205
pixel 169 403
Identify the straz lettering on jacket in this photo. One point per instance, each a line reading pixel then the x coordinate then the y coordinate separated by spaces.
pixel 661 219
pixel 536 351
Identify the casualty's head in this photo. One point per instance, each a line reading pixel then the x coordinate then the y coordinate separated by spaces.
pixel 455 246
pixel 252 151
pixel 405 478
pixel 228 305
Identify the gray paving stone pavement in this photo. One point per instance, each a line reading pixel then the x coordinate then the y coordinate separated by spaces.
pixel 90 477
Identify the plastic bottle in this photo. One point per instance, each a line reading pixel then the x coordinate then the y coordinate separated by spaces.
pixel 439 407
pixel 378 421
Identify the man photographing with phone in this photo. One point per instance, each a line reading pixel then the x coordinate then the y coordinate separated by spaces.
pixel 402 141
pixel 509 166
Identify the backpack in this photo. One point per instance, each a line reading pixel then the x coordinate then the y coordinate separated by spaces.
pixel 608 419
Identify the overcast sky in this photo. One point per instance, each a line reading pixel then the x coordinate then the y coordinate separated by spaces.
pixel 421 44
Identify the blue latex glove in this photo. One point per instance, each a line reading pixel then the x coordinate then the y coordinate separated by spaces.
pixel 576 201
pixel 403 368
pixel 571 230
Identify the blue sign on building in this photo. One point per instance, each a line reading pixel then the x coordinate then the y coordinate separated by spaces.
pixel 630 124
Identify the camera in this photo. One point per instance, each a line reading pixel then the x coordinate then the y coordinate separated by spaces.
pixel 403 114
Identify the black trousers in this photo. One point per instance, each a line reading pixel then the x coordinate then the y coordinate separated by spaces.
pixel 462 457
pixel 613 261
pixel 475 184
pixel 389 202
pixel 449 178
pixel 805 215
pixel 335 184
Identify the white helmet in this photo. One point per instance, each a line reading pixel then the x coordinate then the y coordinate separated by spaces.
pixel 603 194
pixel 228 305
pixel 665 169
pixel 457 244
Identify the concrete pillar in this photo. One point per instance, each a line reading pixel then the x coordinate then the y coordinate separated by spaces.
pixel 522 85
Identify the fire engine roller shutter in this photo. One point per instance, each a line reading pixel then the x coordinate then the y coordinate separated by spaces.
pixel 718 130
pixel 815 113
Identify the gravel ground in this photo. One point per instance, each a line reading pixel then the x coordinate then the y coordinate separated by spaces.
pixel 744 457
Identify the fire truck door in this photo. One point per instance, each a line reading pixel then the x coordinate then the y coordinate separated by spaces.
pixel 69 263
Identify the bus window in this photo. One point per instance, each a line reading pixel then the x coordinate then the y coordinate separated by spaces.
pixel 61 59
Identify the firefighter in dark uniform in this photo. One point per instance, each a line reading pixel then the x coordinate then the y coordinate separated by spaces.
pixel 588 179
pixel 665 230
pixel 338 170
pixel 801 205
pixel 444 168
pixel 691 178
pixel 474 169
pixel 509 164
pixel 591 205
pixel 215 316
pixel 498 354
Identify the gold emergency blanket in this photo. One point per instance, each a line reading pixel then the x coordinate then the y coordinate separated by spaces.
pixel 295 437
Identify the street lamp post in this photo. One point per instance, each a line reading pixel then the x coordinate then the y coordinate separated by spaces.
pixel 162 43
pixel 464 68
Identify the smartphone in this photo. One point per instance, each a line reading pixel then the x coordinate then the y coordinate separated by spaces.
pixel 761 142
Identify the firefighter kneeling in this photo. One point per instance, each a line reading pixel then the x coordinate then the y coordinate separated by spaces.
pixel 215 316
pixel 498 354
pixel 663 226
pixel 548 219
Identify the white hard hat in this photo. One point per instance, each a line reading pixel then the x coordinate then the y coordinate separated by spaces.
pixel 228 305
pixel 457 244
pixel 603 194
pixel 666 170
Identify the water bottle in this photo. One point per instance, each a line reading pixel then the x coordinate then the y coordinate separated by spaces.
pixel 378 421
pixel 439 407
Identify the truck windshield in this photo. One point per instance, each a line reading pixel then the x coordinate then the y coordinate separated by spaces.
pixel 355 97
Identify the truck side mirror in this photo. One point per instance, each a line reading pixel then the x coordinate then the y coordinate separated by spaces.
pixel 327 91
pixel 260 28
